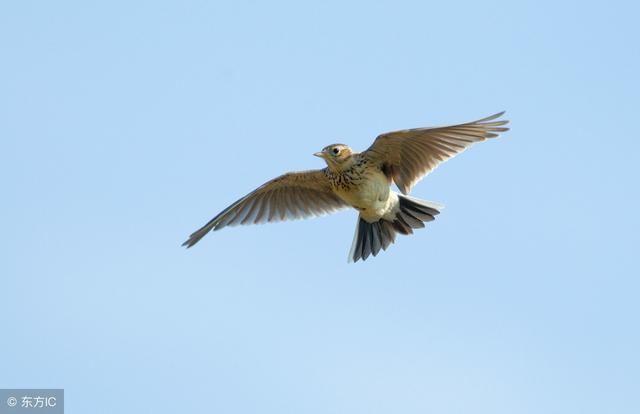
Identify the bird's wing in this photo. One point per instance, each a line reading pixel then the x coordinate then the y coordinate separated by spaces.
pixel 410 154
pixel 291 196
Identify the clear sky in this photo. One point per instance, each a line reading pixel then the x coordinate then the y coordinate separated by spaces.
pixel 124 126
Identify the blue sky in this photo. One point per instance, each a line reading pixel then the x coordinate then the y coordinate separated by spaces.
pixel 123 126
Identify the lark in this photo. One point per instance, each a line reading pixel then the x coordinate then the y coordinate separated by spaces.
pixel 362 180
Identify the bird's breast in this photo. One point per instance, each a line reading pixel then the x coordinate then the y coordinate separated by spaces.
pixel 366 189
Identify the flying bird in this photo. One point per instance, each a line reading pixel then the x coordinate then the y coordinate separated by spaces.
pixel 361 180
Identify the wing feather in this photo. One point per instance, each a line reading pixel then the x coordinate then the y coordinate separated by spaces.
pixel 290 196
pixel 408 155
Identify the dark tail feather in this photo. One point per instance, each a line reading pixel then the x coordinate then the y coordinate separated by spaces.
pixel 370 238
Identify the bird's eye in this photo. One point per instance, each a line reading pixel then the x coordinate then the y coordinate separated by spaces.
pixel 336 151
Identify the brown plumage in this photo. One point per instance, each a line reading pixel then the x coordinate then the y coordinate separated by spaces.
pixel 361 181
pixel 408 155
pixel 290 196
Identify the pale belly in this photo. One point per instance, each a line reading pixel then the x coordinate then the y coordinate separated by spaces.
pixel 371 196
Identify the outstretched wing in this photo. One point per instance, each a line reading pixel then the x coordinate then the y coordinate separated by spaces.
pixel 293 195
pixel 410 154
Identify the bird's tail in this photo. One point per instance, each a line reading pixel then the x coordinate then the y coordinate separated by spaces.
pixel 370 238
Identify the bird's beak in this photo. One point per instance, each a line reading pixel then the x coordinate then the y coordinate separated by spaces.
pixel 319 154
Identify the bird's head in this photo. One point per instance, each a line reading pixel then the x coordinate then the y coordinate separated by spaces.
pixel 337 156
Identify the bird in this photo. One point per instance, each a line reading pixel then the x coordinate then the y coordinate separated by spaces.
pixel 362 180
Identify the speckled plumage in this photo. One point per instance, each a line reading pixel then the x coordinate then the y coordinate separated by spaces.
pixel 362 181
